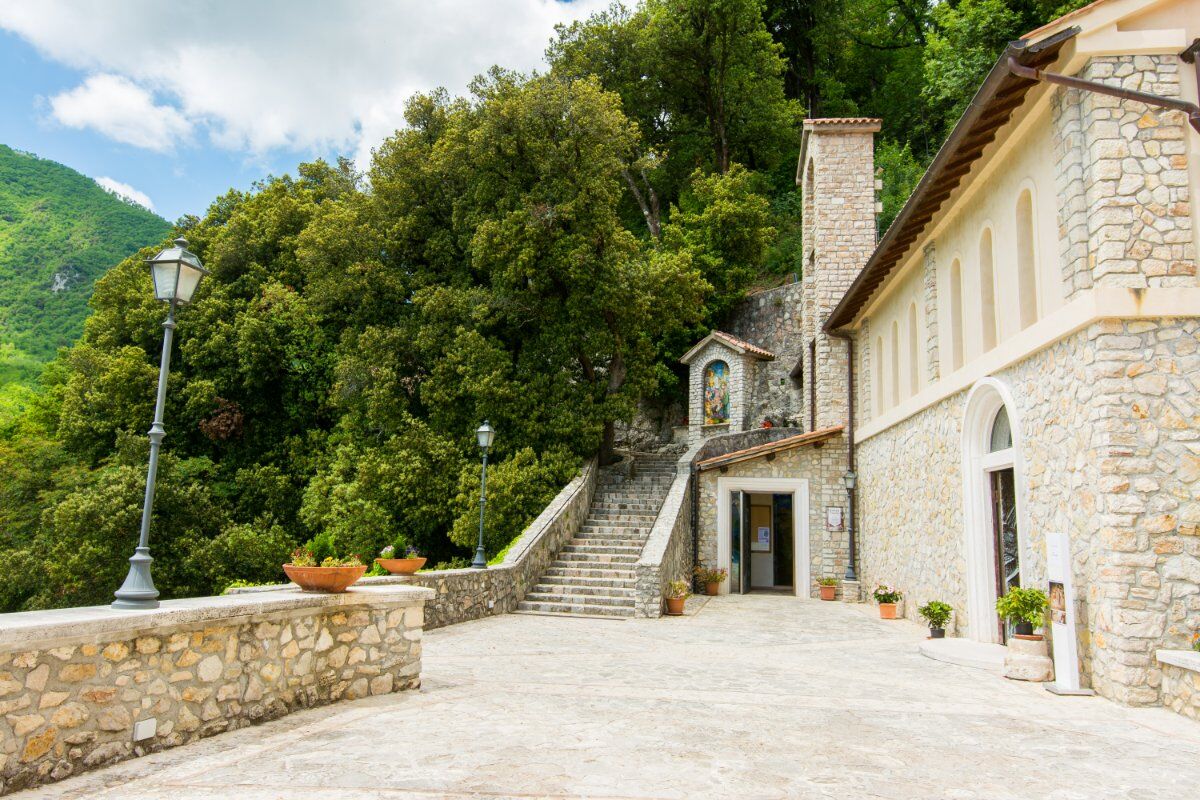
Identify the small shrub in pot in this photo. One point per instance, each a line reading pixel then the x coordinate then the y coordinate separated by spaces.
pixel 828 588
pixel 1024 608
pixel 937 614
pixel 677 594
pixel 712 579
pixel 887 597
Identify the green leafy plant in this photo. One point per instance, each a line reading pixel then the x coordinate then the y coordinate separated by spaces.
pixel 1023 605
pixel 706 575
pixel 345 561
pixel 679 590
pixel 828 581
pixel 887 594
pixel 244 585
pixel 936 613
pixel 1196 641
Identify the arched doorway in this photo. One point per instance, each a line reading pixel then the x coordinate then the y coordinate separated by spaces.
pixel 994 505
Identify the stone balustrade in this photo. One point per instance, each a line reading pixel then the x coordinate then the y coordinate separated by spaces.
pixel 83 687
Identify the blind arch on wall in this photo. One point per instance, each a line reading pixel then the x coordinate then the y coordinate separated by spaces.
pixel 914 353
pixel 956 315
pixel 1026 260
pixel 987 290
pixel 895 363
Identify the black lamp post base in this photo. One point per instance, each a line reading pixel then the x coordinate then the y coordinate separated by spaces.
pixel 480 561
pixel 137 593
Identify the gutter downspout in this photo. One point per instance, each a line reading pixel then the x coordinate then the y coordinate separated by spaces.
pixel 1191 109
pixel 851 494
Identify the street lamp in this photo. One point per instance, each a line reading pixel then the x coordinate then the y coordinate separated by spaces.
pixel 484 436
pixel 850 479
pixel 177 273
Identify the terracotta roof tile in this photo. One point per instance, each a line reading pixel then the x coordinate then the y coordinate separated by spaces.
pixel 729 338
pixel 799 440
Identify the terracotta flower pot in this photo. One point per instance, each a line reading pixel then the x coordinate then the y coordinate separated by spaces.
pixel 401 566
pixel 324 579
pixel 712 588
pixel 887 610
pixel 675 606
pixel 828 592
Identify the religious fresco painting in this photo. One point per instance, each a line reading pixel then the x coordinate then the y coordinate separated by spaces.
pixel 716 393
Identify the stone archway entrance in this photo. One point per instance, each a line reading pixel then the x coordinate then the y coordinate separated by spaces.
pixel 732 494
pixel 993 505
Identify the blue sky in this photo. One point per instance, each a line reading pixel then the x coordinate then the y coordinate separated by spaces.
pixel 175 104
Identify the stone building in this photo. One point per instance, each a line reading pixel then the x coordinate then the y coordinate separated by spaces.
pixel 1016 357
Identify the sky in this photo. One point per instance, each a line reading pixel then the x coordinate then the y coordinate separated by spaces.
pixel 171 104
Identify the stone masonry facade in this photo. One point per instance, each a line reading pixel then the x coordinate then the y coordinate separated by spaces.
pixel 70 704
pixel 771 320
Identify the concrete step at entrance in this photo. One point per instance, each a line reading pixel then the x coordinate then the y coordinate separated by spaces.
pixel 587 582
pixel 609 600
pixel 556 590
pixel 564 571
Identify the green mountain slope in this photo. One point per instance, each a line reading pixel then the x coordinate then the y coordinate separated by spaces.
pixel 59 232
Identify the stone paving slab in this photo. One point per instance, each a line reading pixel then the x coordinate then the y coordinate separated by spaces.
pixel 745 697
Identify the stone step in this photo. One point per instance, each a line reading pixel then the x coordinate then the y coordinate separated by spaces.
pixel 588 547
pixel 575 608
pixel 606 541
pixel 585 582
pixel 582 570
pixel 599 558
pixel 605 597
pixel 612 525
pixel 632 504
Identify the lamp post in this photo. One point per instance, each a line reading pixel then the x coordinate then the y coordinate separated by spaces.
pixel 484 436
pixel 850 479
pixel 177 273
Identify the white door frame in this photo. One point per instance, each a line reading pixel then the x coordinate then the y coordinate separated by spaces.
pixel 798 489
pixel 984 401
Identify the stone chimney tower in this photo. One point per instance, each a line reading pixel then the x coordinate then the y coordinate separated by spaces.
pixel 836 176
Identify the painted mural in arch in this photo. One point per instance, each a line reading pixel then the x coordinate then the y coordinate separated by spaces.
pixel 716 393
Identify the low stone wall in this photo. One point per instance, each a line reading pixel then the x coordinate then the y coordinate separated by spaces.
pixel 667 554
pixel 74 682
pixel 465 594
pixel 1181 681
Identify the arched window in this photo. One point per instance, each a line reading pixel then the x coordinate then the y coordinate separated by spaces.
pixel 1026 266
pixel 895 363
pixel 987 290
pixel 914 379
pixel 716 393
pixel 1001 435
pixel 956 315
pixel 878 375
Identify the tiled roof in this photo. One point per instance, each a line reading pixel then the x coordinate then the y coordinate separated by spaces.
pixel 842 121
pixel 741 345
pixel 758 451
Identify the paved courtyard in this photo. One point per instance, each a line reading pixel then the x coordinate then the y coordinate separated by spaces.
pixel 748 697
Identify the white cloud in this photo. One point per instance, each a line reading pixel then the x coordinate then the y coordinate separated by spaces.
pixel 296 74
pixel 124 190
pixel 121 110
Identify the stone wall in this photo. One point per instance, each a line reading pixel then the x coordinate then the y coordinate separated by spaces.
pixel 1108 433
pixel 741 375
pixel 465 594
pixel 823 467
pixel 73 682
pixel 771 320
pixel 1181 681
pixel 667 554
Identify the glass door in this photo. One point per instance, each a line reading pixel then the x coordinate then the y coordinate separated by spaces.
pixel 739 542
pixel 1004 529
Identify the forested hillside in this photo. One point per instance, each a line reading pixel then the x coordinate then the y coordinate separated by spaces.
pixel 59 232
pixel 538 253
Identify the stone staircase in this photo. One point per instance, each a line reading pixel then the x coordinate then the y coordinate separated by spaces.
pixel 594 572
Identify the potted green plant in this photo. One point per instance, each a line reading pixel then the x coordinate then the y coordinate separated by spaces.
pixel 937 614
pixel 331 574
pixel 712 579
pixel 887 597
pixel 677 593
pixel 1025 609
pixel 828 588
pixel 406 564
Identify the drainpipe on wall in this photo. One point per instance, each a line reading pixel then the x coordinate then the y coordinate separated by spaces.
pixel 1188 55
pixel 851 494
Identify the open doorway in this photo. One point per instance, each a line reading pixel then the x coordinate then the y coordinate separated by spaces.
pixel 763 535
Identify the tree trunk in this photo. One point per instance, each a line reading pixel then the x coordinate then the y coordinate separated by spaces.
pixel 648 206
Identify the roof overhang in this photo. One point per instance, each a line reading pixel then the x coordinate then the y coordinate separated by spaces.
pixel 1001 94
pixel 730 341
pixel 816 437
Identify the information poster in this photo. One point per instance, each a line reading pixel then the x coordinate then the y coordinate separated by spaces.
pixel 835 518
pixel 1062 616
pixel 761 543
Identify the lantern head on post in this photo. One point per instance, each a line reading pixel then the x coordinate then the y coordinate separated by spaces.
pixel 177 273
pixel 850 479
pixel 484 435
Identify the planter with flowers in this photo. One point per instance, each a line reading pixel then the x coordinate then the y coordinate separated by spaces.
pixel 1027 657
pixel 396 564
pixel 332 574
pixel 677 594
pixel 828 588
pixel 712 579
pixel 887 598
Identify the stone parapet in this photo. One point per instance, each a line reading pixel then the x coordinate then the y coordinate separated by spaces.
pixel 1181 681
pixel 667 554
pixel 75 682
pixel 465 594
